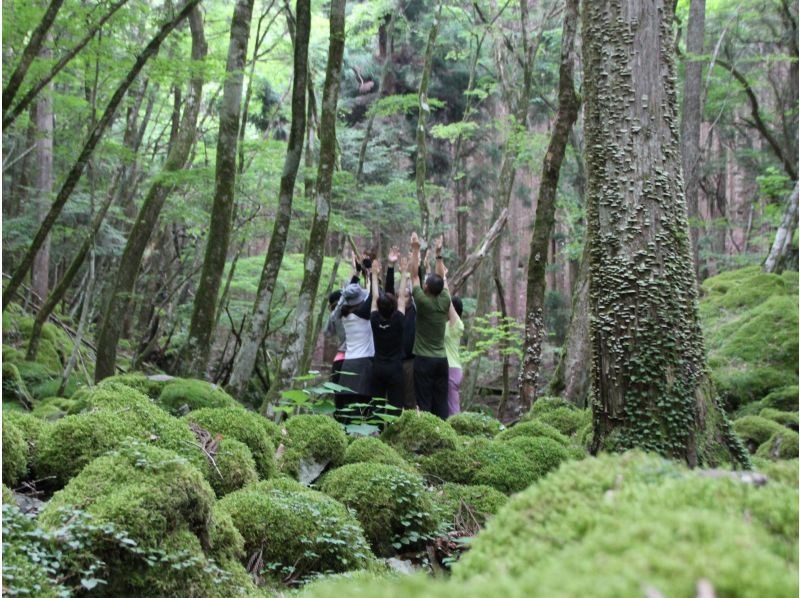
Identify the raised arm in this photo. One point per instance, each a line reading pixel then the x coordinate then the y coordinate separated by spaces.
pixel 401 296
pixel 374 285
pixel 440 269
pixel 415 260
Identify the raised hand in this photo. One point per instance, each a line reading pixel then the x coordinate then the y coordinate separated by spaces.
pixel 404 264
pixel 414 240
pixel 394 254
pixel 438 244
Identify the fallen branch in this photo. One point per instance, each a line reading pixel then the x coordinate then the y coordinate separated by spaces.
pixel 474 259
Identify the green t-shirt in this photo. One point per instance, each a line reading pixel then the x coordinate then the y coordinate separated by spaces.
pixel 432 315
pixel 452 340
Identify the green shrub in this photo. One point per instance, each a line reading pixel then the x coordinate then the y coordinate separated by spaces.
pixel 369 449
pixel 782 417
pixel 566 420
pixel 312 439
pixel 296 534
pixel 245 426
pixel 236 467
pixel 755 430
pixel 391 503
pixel 419 433
pixel 194 394
pixel 532 429
pixel 469 504
pixel 53 408
pixel 15 453
pixel 475 424
pixel 585 435
pixel 783 444
pixel 8 497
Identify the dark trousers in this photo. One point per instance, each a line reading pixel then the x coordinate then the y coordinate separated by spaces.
pixel 430 384
pixel 409 401
pixel 387 382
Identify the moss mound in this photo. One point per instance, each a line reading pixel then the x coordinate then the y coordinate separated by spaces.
pixel 783 472
pixel 245 426
pixel 312 439
pixel 782 417
pixel 419 433
pixel 468 504
pixel 450 465
pixel 469 423
pixel 296 534
pixel 514 465
pixel 532 429
pixel 140 382
pixel 15 453
pixel 783 444
pixel 31 428
pixel 566 420
pixel 235 467
pixel 391 503
pixel 180 394
pixel 53 408
pixel 545 405
pixel 755 430
pixel 369 449
pixel 14 387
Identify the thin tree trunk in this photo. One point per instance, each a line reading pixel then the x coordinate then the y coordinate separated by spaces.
pixel 568 104
pixel 306 365
pixel 74 175
pixel 125 278
pixel 781 248
pixel 195 354
pixel 650 387
pixel 82 323
pixel 692 118
pixel 503 345
pixel 299 341
pixel 259 321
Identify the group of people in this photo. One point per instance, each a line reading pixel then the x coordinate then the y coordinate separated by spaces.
pixel 401 346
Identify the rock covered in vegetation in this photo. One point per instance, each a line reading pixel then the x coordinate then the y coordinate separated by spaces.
pixel 783 444
pixel 141 382
pixel 245 426
pixel 790 420
pixel 419 433
pixel 312 443
pixel 755 430
pixel 31 428
pixel 532 429
pixel 235 467
pixel 566 420
pixel 15 453
pixel 191 394
pixel 468 423
pixel 296 533
pixel 53 408
pixel 472 504
pixel 391 503
pixel 369 449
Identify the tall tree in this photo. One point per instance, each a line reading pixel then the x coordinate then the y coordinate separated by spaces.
pixel 303 318
pixel 568 104
pixel 195 354
pixel 259 320
pixel 781 251
pixel 650 387
pixel 123 282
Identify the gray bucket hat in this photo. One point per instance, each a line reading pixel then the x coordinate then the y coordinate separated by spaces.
pixel 353 294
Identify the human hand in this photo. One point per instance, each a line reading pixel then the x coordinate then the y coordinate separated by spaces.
pixel 376 266
pixel 404 263
pixel 394 253
pixel 414 240
pixel 438 244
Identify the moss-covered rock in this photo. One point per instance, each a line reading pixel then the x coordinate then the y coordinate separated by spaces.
pixel 468 504
pixel 235 467
pixel 755 430
pixel 14 387
pixel 532 429
pixel 15 453
pixel 391 503
pixel 514 465
pixel 369 449
pixel 566 420
pixel 545 405
pixel 784 471
pixel 296 534
pixel 53 408
pixel 314 441
pixel 31 428
pixel 783 444
pixel 419 433
pixel 784 398
pixel 245 426
pixel 784 418
pixel 469 423
pixel 450 465
pixel 181 394
pixel 140 382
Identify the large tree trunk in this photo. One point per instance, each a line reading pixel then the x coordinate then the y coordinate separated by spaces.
pixel 123 283
pixel 650 387
pixel 781 250
pixel 300 341
pixel 76 171
pixel 198 345
pixel 246 357
pixel 545 211
pixel 40 273
pixel 692 118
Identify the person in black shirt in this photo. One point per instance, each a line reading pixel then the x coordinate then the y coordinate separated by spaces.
pixel 387 319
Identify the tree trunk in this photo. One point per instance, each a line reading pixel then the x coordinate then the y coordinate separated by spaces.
pixel 299 341
pixel 781 249
pixel 74 175
pixel 86 310
pixel 650 387
pixel 198 345
pixel 246 357
pixel 692 118
pixel 545 212
pixel 124 280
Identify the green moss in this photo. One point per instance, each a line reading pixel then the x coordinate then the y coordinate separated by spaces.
pixel 545 405
pixel 140 382
pixel 369 449
pixel 312 438
pixel 585 435
pixel 236 467
pixel 391 503
pixel 15 453
pixel 513 465
pixel 475 424
pixel 245 426
pixel 566 420
pixel 782 444
pixel 31 428
pixel 8 497
pixel 784 472
pixel 53 408
pixel 14 387
pixel 782 417
pixel 283 483
pixel 296 534
pixel 449 465
pixel 469 504
pixel 194 394
pixel 755 430
pixel 785 399
pixel 532 429
pixel 419 433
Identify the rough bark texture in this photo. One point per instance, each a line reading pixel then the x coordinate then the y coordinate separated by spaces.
pixel 40 272
pixel 692 117
pixel 198 345
pixel 650 388
pixel 299 342
pixel 74 175
pixel 123 283
pixel 259 320
pixel 781 250
pixel 546 209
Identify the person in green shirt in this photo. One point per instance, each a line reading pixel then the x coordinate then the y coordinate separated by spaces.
pixel 432 302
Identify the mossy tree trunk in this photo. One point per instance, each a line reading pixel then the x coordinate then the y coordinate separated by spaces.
pixel 650 387
pixel 246 357
pixel 119 302
pixel 568 104
pixel 300 341
pixel 780 254
pixel 195 354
